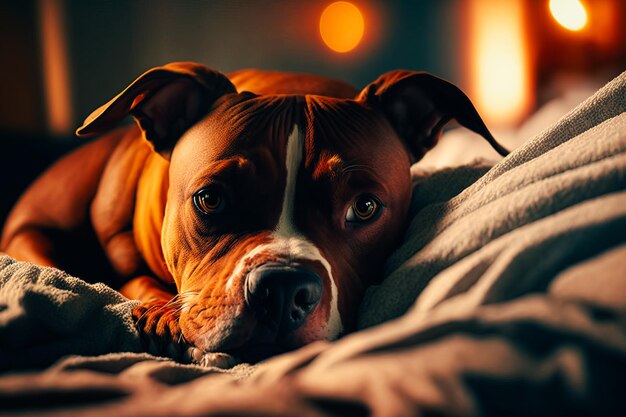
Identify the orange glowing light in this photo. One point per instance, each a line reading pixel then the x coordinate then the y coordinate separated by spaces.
pixel 342 26
pixel 56 68
pixel 570 14
pixel 500 78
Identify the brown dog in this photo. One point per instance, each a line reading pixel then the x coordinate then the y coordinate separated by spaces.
pixel 256 212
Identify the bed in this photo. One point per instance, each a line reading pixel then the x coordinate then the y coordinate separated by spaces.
pixel 507 297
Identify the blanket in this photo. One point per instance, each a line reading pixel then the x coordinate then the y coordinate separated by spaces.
pixel 507 297
pixel 46 314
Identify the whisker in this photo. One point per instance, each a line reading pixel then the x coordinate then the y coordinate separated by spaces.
pixel 180 309
pixel 148 310
pixel 179 302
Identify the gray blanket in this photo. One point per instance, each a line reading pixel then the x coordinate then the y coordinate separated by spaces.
pixel 46 314
pixel 508 297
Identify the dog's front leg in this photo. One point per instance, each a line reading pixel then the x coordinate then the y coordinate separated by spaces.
pixel 157 318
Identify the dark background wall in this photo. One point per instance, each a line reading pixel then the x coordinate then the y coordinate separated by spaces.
pixel 112 42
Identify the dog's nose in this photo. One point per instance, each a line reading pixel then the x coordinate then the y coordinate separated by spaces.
pixel 285 295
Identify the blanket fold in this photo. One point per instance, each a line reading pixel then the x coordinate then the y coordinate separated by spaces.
pixel 46 314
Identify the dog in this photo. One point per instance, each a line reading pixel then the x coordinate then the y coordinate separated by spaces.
pixel 247 212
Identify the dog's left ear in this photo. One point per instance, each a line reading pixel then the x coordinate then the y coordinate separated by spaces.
pixel 164 101
pixel 418 105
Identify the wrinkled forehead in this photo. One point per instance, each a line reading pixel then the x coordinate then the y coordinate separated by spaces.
pixel 245 123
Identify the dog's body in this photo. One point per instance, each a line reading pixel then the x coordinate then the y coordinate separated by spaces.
pixel 257 210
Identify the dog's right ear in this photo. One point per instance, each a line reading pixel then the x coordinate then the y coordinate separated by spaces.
pixel 418 105
pixel 165 101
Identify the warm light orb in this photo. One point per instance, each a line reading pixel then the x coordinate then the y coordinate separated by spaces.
pixel 499 70
pixel 570 14
pixel 342 26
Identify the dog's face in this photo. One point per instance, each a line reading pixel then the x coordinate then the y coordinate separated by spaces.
pixel 277 218
pixel 282 208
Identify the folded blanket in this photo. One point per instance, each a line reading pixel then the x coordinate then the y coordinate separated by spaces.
pixel 46 314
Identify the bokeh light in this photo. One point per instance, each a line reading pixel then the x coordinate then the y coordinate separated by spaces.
pixel 570 14
pixel 342 26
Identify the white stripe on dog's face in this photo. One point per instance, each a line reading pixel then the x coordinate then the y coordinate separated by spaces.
pixel 288 242
pixel 295 152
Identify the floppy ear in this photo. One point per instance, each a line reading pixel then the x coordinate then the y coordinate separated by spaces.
pixel 165 101
pixel 418 105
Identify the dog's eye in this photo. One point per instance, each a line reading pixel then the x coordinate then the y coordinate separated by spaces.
pixel 364 208
pixel 209 201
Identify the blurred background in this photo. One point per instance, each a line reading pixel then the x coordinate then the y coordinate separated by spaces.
pixel 524 63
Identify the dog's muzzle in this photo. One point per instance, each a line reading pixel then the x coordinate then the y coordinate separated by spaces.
pixel 282 296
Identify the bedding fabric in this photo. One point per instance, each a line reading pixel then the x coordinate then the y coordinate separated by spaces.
pixel 508 297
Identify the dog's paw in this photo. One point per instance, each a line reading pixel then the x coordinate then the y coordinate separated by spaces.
pixel 157 323
pixel 211 359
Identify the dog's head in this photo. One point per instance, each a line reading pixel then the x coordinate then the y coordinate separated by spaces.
pixel 282 207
